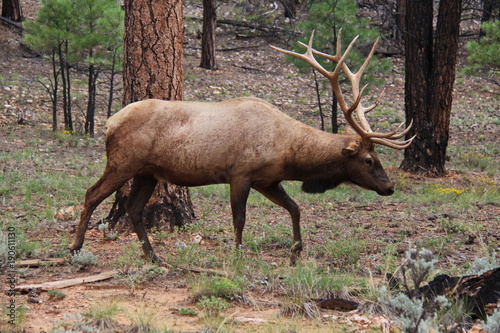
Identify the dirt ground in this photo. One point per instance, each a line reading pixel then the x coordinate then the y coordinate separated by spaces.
pixel 247 66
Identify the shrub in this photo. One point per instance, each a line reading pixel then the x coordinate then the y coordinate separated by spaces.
pixel 219 286
pixel 82 259
pixel 213 305
pixel 484 264
pixel 492 324
pixel 56 294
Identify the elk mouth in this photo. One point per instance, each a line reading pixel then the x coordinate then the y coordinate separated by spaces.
pixel 386 192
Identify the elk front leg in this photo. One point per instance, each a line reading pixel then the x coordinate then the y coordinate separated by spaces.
pixel 276 193
pixel 239 190
pixel 142 189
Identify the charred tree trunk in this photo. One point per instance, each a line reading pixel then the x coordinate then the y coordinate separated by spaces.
pixel 153 68
pixel 480 293
pixel 11 9
pixel 430 74
pixel 208 60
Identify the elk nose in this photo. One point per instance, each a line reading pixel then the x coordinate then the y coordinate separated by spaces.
pixel 390 191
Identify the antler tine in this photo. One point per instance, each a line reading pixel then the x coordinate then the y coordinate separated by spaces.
pixel 355 78
pixel 307 56
pixel 394 144
pixel 361 126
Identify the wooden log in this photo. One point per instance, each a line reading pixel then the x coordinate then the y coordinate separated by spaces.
pixel 481 292
pixel 66 283
pixel 40 262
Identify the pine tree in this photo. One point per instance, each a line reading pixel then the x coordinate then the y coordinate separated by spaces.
pixel 68 32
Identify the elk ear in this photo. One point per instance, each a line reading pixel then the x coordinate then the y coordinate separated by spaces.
pixel 351 149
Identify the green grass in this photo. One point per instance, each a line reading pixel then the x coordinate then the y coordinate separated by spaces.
pixel 39 179
pixel 341 228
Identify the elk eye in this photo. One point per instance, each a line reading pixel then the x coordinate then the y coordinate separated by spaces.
pixel 369 161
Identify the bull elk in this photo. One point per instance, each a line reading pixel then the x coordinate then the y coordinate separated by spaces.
pixel 244 142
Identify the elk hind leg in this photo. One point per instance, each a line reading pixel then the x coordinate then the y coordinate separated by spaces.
pixel 142 189
pixel 103 188
pixel 276 193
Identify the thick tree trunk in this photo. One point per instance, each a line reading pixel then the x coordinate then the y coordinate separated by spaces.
pixel 430 73
pixel 11 9
pixel 208 59
pixel 443 77
pixel 153 68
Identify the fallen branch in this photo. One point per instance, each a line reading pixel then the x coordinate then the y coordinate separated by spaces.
pixel 481 292
pixel 66 283
pixel 199 270
pixel 40 262
pixel 19 27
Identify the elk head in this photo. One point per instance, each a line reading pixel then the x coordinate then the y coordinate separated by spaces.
pixel 363 150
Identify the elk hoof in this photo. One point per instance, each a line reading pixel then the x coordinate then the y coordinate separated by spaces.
pixel 73 248
pixel 296 249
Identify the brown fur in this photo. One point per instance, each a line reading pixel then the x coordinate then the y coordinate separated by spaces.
pixel 245 142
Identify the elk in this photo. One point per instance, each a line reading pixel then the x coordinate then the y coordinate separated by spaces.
pixel 244 142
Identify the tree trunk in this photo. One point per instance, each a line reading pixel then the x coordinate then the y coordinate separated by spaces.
pixel 400 19
pixel 112 83
pixel 55 87
pixel 290 8
pixel 208 59
pixel 66 85
pixel 89 118
pixel 430 73
pixel 153 68
pixel 443 77
pixel 11 9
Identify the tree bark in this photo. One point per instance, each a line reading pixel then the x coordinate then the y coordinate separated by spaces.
pixel 430 73
pixel 11 9
pixel 208 60
pixel 153 68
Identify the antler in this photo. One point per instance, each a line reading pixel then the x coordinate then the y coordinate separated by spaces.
pixel 362 128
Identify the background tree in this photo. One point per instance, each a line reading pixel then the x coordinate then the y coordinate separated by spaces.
pixel 11 9
pixel 208 35
pixel 491 11
pixel 96 40
pixel 113 60
pixel 430 73
pixel 70 32
pixel 290 7
pixel 484 55
pixel 153 68
pixel 50 34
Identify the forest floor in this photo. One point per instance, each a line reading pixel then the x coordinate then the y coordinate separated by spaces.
pixel 357 232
